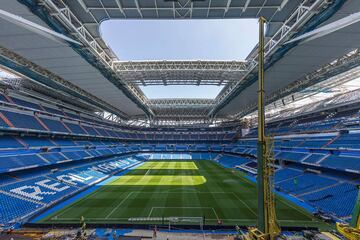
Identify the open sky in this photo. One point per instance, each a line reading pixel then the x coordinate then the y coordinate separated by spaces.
pixel 181 40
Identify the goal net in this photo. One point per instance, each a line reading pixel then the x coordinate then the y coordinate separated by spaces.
pixel 173 221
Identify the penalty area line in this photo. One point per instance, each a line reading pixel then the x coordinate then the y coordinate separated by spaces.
pixel 252 211
pixel 107 216
pixel 214 211
pixel 210 219
pixel 217 217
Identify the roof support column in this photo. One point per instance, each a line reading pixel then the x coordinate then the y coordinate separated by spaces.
pixel 262 215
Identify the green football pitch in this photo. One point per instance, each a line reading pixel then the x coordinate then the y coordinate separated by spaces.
pixel 188 190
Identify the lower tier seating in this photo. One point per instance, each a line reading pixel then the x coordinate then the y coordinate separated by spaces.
pixel 305 183
pixel 338 200
pixel 331 193
pixel 12 208
pixel 32 191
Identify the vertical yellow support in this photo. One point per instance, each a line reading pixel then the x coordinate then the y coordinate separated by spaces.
pixel 266 199
pixel 269 174
pixel 352 231
pixel 262 214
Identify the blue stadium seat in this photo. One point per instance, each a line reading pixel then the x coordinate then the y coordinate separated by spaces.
pixel 50 190
pixel 54 125
pixel 26 103
pixel 313 158
pixel 16 162
pixel 90 130
pixel 292 156
pixel 54 157
pixel 20 120
pixel 286 173
pixel 305 183
pixel 38 142
pixel 53 110
pixel 232 161
pixel 339 200
pixel 9 142
pixel 75 128
pixel 342 162
pixel 13 208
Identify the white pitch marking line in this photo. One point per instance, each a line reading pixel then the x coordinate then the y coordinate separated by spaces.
pixel 191 192
pixel 244 204
pixel 225 219
pixel 183 207
pixel 118 205
pixel 150 212
pixel 217 217
pixel 71 205
pixel 293 207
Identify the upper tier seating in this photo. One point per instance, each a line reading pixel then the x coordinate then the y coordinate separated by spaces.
pixel 338 150
pixel 293 156
pixel 232 161
pixel 54 125
pixel 313 158
pixel 342 162
pixel 286 173
pixel 330 122
pixel 75 128
pixel 346 141
pixel 29 152
pixel 26 103
pixel 16 162
pixel 35 116
pixel 22 120
pixel 10 142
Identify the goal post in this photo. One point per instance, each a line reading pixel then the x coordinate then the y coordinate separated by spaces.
pixel 173 221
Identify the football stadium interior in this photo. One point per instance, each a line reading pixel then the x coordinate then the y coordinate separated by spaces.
pixel 86 154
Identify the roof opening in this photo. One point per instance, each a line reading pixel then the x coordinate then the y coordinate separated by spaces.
pixel 226 39
pixel 181 91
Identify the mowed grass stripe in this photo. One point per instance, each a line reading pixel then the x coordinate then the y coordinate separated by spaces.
pixel 168 165
pixel 155 180
pixel 166 191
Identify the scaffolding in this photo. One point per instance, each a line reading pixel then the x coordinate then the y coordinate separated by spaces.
pixel 352 231
pixel 267 225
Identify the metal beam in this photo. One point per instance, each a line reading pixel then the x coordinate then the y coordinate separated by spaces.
pixel 83 5
pixel 349 61
pixel 298 18
pixel 180 102
pixel 246 5
pixel 262 211
pixel 24 67
pixel 70 21
pixel 181 72
pixel 282 5
pixel 118 3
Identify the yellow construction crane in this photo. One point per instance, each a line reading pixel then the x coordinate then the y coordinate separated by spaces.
pixel 267 228
pixel 272 229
